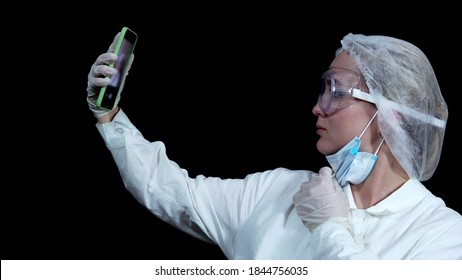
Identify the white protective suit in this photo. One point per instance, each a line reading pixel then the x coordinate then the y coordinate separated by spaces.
pixel 254 217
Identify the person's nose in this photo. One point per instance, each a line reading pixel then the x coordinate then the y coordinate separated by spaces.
pixel 317 111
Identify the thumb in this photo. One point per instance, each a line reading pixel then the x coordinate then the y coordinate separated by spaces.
pixel 114 43
pixel 325 171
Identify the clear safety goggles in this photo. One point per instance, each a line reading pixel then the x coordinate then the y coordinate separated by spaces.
pixel 339 89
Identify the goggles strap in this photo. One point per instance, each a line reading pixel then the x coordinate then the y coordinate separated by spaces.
pixel 362 95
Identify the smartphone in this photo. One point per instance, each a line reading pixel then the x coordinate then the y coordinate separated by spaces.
pixel 124 50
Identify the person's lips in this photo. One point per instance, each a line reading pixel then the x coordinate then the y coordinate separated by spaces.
pixel 319 129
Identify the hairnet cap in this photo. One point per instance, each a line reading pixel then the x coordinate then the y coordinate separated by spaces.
pixel 412 112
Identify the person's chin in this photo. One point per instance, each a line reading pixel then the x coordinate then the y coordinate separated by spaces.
pixel 321 147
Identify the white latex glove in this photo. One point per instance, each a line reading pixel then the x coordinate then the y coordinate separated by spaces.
pixel 321 199
pixel 100 76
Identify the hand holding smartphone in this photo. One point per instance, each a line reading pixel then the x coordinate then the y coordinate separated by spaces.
pixel 125 45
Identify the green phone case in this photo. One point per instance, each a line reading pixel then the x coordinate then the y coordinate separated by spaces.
pixel 99 101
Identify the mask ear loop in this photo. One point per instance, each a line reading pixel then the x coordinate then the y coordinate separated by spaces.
pixel 380 146
pixel 369 123
pixel 381 143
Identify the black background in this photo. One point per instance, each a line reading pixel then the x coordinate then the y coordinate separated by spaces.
pixel 229 90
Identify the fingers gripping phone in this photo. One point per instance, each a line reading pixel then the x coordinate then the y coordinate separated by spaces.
pixel 125 45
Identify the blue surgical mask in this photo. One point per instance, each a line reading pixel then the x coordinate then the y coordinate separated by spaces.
pixel 351 165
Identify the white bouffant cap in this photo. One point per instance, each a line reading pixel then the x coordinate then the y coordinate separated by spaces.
pixel 412 112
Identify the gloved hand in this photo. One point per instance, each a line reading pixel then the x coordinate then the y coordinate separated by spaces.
pixel 99 76
pixel 321 199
